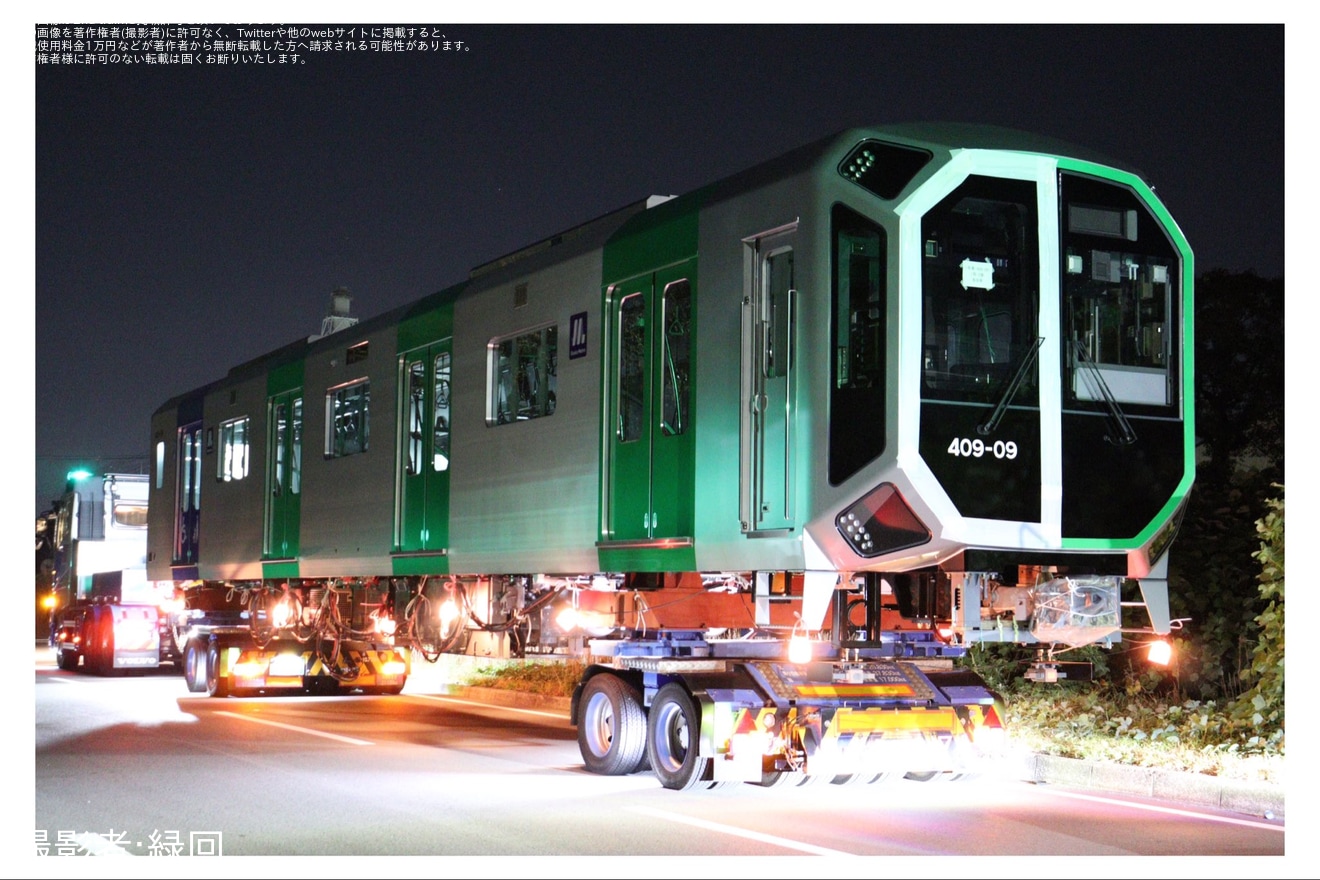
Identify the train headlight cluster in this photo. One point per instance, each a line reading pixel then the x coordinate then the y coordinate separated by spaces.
pixel 881 522
pixel 859 164
pixel 855 531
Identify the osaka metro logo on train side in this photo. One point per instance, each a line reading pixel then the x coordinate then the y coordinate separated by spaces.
pixel 577 336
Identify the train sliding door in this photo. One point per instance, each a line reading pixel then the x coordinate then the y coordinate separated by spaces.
pixel 766 459
pixel 649 476
pixel 188 503
pixel 284 475
pixel 422 519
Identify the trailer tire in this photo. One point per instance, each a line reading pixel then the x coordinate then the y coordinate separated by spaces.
pixel 215 685
pixel 100 648
pixel 90 630
pixel 779 778
pixel 612 727
pixel 922 775
pixel 194 666
pixel 672 733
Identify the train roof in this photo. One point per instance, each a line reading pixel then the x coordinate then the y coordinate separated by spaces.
pixel 974 136
pixel 937 136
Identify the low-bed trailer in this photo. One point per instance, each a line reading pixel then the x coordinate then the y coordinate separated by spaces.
pixel 702 712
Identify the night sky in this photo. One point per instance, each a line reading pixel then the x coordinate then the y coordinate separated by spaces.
pixel 190 218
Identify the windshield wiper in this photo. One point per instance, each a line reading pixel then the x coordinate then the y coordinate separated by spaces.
pixel 1117 421
pixel 992 421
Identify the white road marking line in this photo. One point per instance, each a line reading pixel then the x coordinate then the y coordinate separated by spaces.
pixel 1155 808
pixel 742 832
pixel 347 739
pixel 440 698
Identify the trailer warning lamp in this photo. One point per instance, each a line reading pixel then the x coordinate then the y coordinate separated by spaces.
pixel 989 737
pixel 448 613
pixel 384 624
pixel 567 619
pixel 396 665
pixel 799 649
pixel 255 666
pixel 282 614
pixel 1160 653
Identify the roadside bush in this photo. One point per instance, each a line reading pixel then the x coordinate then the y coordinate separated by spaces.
pixel 1260 708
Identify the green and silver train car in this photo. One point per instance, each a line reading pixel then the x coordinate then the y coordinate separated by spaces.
pixel 924 378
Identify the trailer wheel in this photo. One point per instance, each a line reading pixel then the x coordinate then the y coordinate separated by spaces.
pixel 194 666
pixel 215 685
pixel 671 739
pixel 922 775
pixel 100 648
pixel 612 729
pixel 778 778
pixel 66 660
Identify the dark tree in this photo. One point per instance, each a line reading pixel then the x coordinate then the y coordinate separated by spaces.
pixel 1239 376
pixel 1239 426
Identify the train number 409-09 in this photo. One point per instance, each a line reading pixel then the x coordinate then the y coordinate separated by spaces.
pixel 976 448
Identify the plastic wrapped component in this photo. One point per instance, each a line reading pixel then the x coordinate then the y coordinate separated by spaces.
pixel 1076 611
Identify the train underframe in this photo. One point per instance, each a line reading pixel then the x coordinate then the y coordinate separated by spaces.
pixel 247 639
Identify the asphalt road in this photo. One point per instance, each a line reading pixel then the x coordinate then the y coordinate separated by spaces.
pixel 137 766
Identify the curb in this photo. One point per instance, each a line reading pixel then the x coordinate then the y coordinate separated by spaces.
pixel 1236 795
pixel 510 699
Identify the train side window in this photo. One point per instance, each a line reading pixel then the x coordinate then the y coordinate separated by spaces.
pixel 234 459
pixel 295 448
pixel 346 419
pixel 286 446
pixel 857 334
pixel 440 423
pixel 416 416
pixel 521 376
pixel 677 322
pixel 632 366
